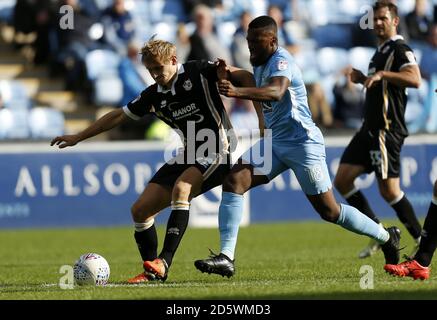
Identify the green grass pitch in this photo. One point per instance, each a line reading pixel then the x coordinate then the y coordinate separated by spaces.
pixel 305 260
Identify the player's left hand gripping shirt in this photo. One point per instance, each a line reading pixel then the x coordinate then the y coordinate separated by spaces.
pixel 192 104
pixel 290 118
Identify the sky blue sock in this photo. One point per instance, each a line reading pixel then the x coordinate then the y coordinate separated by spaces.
pixel 355 221
pixel 230 213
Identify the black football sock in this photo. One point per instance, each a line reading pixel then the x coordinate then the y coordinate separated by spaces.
pixel 147 242
pixel 428 242
pixel 359 201
pixel 406 215
pixel 176 226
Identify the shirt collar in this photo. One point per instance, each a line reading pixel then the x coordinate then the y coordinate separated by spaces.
pixel 173 90
pixel 394 38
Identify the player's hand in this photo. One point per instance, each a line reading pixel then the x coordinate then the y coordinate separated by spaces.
pixel 222 70
pixel 371 81
pixel 357 76
pixel 227 89
pixel 65 141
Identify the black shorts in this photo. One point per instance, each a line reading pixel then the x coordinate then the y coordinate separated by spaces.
pixel 213 169
pixel 377 151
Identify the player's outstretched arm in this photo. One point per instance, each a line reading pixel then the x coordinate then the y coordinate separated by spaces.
pixel 105 123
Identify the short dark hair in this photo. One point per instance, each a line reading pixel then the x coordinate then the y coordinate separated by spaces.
pixel 386 4
pixel 264 22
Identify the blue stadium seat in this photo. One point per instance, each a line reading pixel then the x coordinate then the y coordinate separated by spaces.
pixel 7 10
pixel 100 62
pixel 417 110
pixel 103 4
pixel 405 6
pixel 14 124
pixel 14 95
pixel 431 106
pixel 359 58
pixel 102 71
pixel 46 123
pixel 156 10
pixel 306 60
pixel 333 35
pixel 225 32
pixel 173 10
pixel 428 61
pixel 328 83
pixel 165 31
pixel 350 10
pixel 332 60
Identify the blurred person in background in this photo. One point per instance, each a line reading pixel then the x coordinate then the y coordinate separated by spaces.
pixel 285 39
pixel 240 51
pixel 428 63
pixel 75 43
pixel 349 102
pixel 418 23
pixel 205 44
pixel 204 41
pixel 133 74
pixel 119 27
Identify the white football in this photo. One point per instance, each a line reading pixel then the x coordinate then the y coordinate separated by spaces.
pixel 91 269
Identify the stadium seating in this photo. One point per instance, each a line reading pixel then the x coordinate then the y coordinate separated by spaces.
pixel 359 58
pixel 101 66
pixel 165 31
pixel 14 95
pixel 14 124
pixel 225 31
pixel 333 35
pixel 332 60
pixel 46 123
pixel 6 10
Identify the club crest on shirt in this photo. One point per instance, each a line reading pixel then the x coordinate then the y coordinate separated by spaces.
pixel 282 65
pixel 163 103
pixel 187 85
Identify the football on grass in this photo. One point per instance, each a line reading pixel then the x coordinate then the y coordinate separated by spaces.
pixel 91 269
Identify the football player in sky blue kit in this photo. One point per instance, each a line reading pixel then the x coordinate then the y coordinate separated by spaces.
pixel 297 144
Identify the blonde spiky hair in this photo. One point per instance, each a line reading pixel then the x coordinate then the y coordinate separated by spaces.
pixel 158 49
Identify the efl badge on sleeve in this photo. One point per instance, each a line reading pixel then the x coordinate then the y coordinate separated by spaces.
pixel 282 65
pixel 410 56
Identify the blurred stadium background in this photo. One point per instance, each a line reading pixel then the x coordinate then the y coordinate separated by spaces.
pixel 55 81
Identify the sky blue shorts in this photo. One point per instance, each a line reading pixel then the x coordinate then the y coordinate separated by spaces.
pixel 307 159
